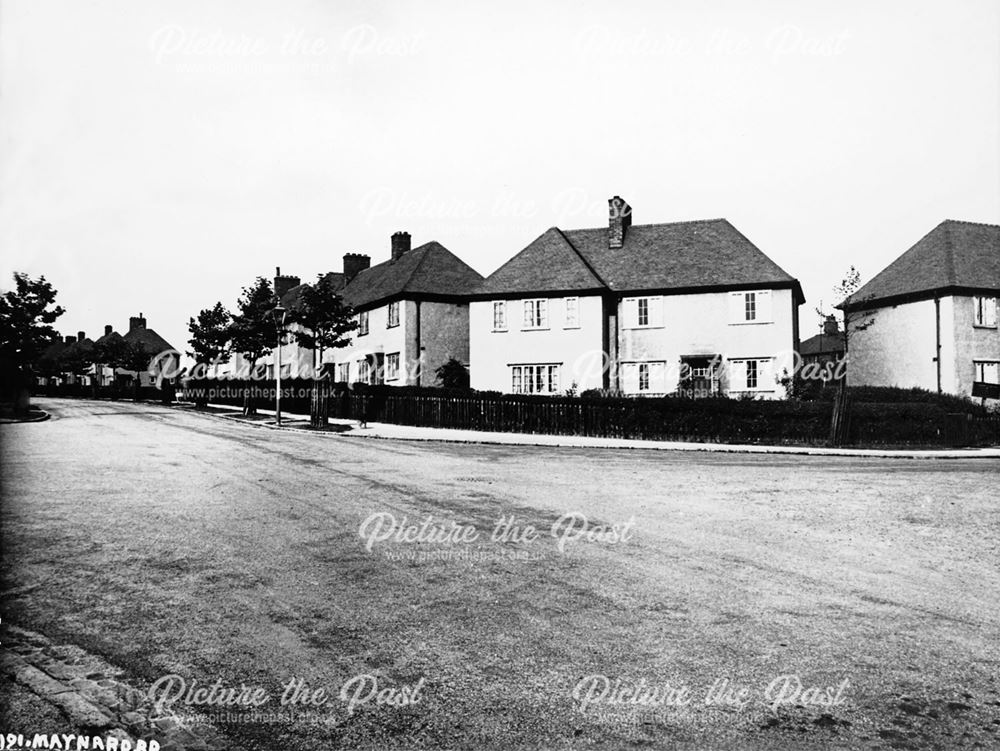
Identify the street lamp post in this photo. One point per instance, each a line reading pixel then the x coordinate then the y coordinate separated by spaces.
pixel 279 322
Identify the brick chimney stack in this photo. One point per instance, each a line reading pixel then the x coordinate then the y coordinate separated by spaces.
pixel 283 282
pixel 354 264
pixel 136 322
pixel 830 326
pixel 400 244
pixel 80 336
pixel 108 328
pixel 70 339
pixel 619 220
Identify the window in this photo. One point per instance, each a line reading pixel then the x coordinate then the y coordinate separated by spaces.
pixel 392 366
pixel 750 306
pixel 985 311
pixel 344 372
pixel 642 312
pixel 364 371
pixel 500 315
pixel 572 320
pixel 362 323
pixel 987 372
pixel 534 379
pixel 751 374
pixel 644 376
pixel 393 317
pixel 536 314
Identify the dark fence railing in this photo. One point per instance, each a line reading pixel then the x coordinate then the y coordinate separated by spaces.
pixel 666 418
pixel 81 391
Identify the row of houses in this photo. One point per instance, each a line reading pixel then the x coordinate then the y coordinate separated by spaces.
pixel 646 309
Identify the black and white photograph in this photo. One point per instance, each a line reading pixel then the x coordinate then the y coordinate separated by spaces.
pixel 526 376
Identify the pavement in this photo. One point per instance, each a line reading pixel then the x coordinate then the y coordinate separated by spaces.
pixel 140 543
pixel 353 429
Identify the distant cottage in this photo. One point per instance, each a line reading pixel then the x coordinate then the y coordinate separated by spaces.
pixel 934 314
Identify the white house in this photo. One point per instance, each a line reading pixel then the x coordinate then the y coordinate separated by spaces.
pixel 647 309
pixel 412 311
pixel 932 315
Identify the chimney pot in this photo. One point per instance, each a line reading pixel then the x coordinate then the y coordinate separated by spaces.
pixel 354 264
pixel 400 244
pixel 619 220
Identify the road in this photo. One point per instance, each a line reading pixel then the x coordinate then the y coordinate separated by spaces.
pixel 170 542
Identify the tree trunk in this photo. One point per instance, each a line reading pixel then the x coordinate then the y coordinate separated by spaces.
pixel 840 422
pixel 249 408
pixel 319 410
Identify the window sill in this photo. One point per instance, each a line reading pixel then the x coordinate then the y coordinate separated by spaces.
pixel 750 323
pixel 499 331
pixel 392 326
pixel 642 328
pixel 984 326
pixel 537 328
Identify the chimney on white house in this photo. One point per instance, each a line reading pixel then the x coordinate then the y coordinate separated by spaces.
pixel 619 220
pixel 400 244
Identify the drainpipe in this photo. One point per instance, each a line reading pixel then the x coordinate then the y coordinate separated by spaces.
pixel 420 368
pixel 937 335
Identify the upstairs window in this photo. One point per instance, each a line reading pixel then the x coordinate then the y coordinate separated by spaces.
pixel 393 317
pixel 500 315
pixel 985 311
pixel 751 306
pixel 536 314
pixel 362 323
pixel 643 311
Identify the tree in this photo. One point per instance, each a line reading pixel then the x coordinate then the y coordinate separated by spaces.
pixel 26 316
pixel 252 331
pixel 324 322
pixel 453 375
pixel 210 340
pixel 855 317
pixel 119 353
pixel 210 334
pixel 855 320
pixel 77 358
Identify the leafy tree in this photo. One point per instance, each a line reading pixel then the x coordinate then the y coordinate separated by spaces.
pixel 453 375
pixel 26 316
pixel 324 322
pixel 210 334
pixel 119 353
pixel 252 331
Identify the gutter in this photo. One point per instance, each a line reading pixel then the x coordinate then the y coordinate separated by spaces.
pixel 937 340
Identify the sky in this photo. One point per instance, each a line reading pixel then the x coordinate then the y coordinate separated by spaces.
pixel 156 157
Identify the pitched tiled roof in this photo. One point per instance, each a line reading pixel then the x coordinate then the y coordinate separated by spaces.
pixel 430 269
pixel 821 343
pixel 953 254
pixel 549 264
pixel 152 342
pixel 680 255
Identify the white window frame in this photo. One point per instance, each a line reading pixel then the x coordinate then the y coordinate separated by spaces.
pixel 392 366
pixel 538 317
pixel 363 323
pixel 499 315
pixel 642 311
pixel 535 378
pixel 644 376
pixel 364 370
pixel 979 370
pixel 572 313
pixel 755 374
pixel 984 312
pixel 344 372
pixel 392 315
pixel 750 306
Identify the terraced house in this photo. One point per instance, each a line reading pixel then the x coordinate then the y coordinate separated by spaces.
pixel 933 315
pixel 642 309
pixel 412 311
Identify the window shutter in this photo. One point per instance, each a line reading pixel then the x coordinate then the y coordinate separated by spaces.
pixel 630 313
pixel 738 373
pixel 656 312
pixel 630 377
pixel 991 311
pixel 737 310
pixel 764 306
